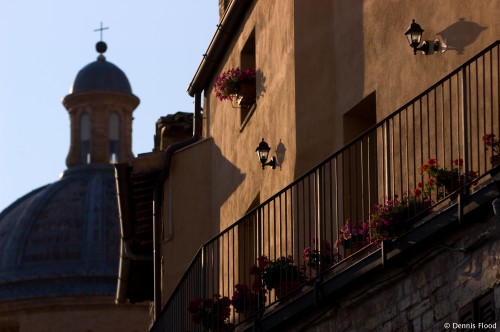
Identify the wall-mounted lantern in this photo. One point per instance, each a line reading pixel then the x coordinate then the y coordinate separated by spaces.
pixel 414 36
pixel 263 153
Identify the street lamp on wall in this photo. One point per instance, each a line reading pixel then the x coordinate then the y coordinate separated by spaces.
pixel 414 36
pixel 263 153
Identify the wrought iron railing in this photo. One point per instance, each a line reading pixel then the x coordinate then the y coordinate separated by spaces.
pixel 446 122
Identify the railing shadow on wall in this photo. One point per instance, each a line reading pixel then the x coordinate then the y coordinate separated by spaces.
pixel 318 225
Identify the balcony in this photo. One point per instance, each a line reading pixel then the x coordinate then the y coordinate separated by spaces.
pixel 445 123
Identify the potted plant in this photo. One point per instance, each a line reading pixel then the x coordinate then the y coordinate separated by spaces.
pixel 213 313
pixel 390 220
pixel 319 255
pixel 353 236
pixel 237 84
pixel 279 274
pixel 491 141
pixel 451 180
pixel 246 301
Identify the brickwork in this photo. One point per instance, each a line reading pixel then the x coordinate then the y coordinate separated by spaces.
pixel 99 105
pixel 423 293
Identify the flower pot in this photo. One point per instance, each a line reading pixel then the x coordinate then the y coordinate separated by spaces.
pixel 288 289
pixel 495 161
pixel 453 187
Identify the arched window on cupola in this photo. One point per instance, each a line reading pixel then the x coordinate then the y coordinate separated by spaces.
pixel 85 139
pixel 114 138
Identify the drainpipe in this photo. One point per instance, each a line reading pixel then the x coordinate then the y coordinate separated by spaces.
pixel 158 200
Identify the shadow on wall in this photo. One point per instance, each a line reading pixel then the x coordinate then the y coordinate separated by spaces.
pixel 280 153
pixel 461 34
pixel 261 83
pixel 227 179
pixel 329 75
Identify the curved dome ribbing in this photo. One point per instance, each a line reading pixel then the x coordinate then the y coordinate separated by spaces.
pixel 62 239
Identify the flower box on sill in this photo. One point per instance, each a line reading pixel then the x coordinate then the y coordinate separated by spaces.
pixel 237 84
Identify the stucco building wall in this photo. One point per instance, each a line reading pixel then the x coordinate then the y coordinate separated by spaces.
pixel 325 73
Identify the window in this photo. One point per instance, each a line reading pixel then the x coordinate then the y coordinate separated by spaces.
pixel 355 122
pixel 478 314
pixel 247 239
pixel 114 138
pixel 247 59
pixel 85 139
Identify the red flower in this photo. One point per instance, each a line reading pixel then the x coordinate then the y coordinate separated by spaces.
pixel 417 192
pixel 262 262
pixel 459 162
pixel 432 162
pixel 489 139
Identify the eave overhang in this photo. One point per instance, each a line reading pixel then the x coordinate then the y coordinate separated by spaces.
pixel 224 36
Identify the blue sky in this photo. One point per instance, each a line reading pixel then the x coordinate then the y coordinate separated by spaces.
pixel 158 44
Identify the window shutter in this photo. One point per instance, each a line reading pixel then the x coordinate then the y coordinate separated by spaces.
pixel 486 309
pixel 467 316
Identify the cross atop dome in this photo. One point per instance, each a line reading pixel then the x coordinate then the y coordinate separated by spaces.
pixel 101 29
pixel 101 46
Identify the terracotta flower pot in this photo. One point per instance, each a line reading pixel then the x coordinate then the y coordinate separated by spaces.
pixel 288 289
pixel 453 187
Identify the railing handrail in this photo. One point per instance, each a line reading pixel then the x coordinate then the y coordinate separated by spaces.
pixel 334 155
pixel 354 141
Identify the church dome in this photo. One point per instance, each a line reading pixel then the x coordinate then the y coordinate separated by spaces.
pixel 62 239
pixel 101 75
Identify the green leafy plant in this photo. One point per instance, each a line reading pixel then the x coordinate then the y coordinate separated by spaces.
pixel 269 274
pixel 352 233
pixel 245 300
pixel 450 180
pixel 390 220
pixel 319 253
pixel 213 313
pixel 491 141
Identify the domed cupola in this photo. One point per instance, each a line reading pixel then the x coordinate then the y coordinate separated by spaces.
pixel 100 105
pixel 101 75
pixel 60 244
pixel 63 239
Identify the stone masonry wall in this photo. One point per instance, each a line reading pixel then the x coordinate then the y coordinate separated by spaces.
pixel 424 292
